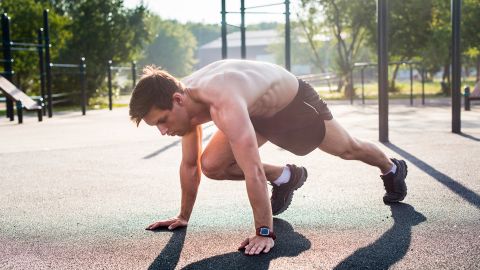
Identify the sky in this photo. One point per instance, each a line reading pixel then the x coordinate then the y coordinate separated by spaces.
pixel 208 11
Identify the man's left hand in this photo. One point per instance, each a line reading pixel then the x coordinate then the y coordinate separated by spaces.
pixel 256 244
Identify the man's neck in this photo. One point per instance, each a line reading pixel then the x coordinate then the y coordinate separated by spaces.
pixel 199 113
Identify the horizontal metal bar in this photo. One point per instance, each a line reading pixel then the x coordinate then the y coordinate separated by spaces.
pixel 24 49
pixel 26 44
pixel 6 61
pixel 66 73
pixel 255 12
pixel 120 68
pixel 7 73
pixel 267 5
pixel 64 65
pixel 234 25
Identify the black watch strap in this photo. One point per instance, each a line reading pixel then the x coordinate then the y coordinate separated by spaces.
pixel 265 232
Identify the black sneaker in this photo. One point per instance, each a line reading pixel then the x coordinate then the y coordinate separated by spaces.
pixel 282 195
pixel 395 183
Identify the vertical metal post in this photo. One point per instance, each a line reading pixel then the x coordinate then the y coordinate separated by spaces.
pixel 83 82
pixel 411 85
pixel 478 67
pixel 287 36
pixel 423 85
pixel 134 74
pixel 352 88
pixel 224 30
pixel 382 28
pixel 7 65
pixel 110 85
pixel 363 89
pixel 467 99
pixel 48 64
pixel 243 49
pixel 42 68
pixel 456 65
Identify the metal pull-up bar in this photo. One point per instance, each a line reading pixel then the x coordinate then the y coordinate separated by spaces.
pixel 242 13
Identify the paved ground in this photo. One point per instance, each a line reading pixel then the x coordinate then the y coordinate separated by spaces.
pixel 76 192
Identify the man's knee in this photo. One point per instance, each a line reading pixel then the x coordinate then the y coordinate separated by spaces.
pixel 212 168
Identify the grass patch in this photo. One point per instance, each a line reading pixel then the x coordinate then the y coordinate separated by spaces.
pixel 432 90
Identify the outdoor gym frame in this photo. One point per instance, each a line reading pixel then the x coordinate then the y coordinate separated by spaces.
pixel 7 47
pixel 363 66
pixel 111 68
pixel 382 35
pixel 45 67
pixel 243 28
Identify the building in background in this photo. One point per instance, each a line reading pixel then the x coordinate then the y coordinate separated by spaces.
pixel 258 48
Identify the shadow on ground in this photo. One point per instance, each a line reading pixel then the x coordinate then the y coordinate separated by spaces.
pixel 459 189
pixel 391 246
pixel 288 244
pixel 168 258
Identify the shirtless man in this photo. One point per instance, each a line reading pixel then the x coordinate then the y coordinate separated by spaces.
pixel 250 103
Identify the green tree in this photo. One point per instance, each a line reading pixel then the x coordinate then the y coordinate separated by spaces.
pixel 471 33
pixel 172 48
pixel 203 33
pixel 409 31
pixel 104 30
pixel 347 22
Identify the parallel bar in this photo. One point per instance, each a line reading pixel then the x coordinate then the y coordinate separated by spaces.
pixel 363 89
pixel 64 65
pixel 118 68
pixel 83 81
pixel 456 66
pixel 268 5
pixel 411 85
pixel 41 65
pixel 382 28
pixel 13 43
pixel 352 87
pixel 224 31
pixel 134 74
pixel 47 62
pixel 24 49
pixel 109 72
pixel 233 25
pixel 287 36
pixel 423 85
pixel 242 30
pixel 7 54
pixel 256 12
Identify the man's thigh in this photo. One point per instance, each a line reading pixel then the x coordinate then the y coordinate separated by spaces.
pixel 337 140
pixel 218 150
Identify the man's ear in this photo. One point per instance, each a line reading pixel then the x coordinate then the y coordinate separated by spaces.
pixel 178 98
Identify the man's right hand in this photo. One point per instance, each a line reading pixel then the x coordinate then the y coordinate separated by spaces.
pixel 171 223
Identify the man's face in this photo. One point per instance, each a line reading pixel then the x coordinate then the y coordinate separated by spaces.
pixel 173 122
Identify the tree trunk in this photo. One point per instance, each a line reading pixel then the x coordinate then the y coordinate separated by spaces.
pixel 394 77
pixel 446 73
pixel 341 82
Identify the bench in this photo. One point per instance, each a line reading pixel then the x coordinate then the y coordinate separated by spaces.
pixel 23 101
pixel 469 98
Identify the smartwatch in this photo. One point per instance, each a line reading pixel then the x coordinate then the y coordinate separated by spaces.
pixel 266 232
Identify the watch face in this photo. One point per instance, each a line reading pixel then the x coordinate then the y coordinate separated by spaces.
pixel 264 231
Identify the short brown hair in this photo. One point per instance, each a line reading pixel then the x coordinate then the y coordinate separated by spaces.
pixel 155 88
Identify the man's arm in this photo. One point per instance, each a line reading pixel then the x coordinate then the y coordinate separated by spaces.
pixel 190 172
pixel 230 114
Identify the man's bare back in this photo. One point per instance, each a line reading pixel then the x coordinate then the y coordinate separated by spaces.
pixel 266 88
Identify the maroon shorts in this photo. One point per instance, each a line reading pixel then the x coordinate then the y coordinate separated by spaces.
pixel 298 128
